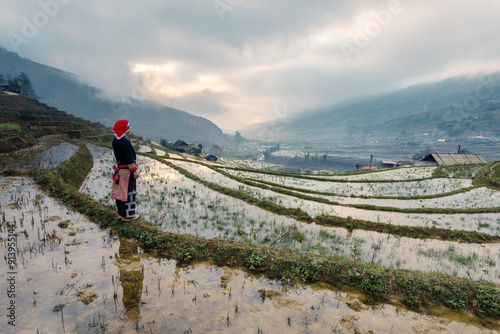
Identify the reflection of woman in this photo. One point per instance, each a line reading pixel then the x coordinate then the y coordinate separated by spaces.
pixel 124 185
pixel 131 278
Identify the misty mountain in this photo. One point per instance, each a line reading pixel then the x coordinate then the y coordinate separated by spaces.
pixel 454 108
pixel 150 119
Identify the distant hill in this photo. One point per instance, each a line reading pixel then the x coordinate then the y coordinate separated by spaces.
pixel 149 119
pixel 458 107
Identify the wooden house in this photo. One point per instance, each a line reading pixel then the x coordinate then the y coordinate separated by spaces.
pixel 182 147
pixel 389 164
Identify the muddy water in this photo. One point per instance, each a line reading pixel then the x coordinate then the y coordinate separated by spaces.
pixel 144 149
pixel 473 199
pixel 403 173
pixel 49 158
pixel 72 277
pixel 160 153
pixel 410 188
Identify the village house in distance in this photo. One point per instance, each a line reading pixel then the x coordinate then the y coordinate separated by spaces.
pixel 433 159
pixel 450 159
pixel 183 147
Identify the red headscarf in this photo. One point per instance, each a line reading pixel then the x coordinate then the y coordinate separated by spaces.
pixel 121 128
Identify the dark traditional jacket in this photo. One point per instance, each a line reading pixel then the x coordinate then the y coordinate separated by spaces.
pixel 124 154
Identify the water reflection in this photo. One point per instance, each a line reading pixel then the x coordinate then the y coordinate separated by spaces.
pixel 131 277
pixel 49 158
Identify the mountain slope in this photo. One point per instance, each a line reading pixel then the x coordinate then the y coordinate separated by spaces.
pixel 26 120
pixel 435 108
pixel 149 119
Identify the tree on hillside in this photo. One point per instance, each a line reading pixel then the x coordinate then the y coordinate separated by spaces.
pixel 26 86
pixel 267 154
pixel 464 151
pixel 14 85
pixel 196 149
pixel 238 138
pixel 268 151
pixel 216 150
pixel 422 154
pixel 164 142
pixel 21 85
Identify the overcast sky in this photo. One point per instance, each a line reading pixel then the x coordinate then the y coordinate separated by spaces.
pixel 239 62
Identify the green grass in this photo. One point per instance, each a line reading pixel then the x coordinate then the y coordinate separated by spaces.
pixel 10 128
pixel 458 172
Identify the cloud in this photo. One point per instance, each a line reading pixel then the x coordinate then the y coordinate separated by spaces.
pixel 237 63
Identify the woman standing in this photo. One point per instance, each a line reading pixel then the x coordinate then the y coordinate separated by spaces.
pixel 124 180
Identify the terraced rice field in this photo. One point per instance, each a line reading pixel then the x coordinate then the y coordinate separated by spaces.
pixel 178 204
pixel 71 276
pixel 404 173
pixel 372 189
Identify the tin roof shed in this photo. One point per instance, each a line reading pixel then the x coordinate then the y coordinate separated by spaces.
pixel 449 159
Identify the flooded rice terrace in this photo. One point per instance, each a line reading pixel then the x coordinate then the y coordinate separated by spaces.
pixel 63 274
pixel 68 276
pixel 177 204
pixel 49 158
